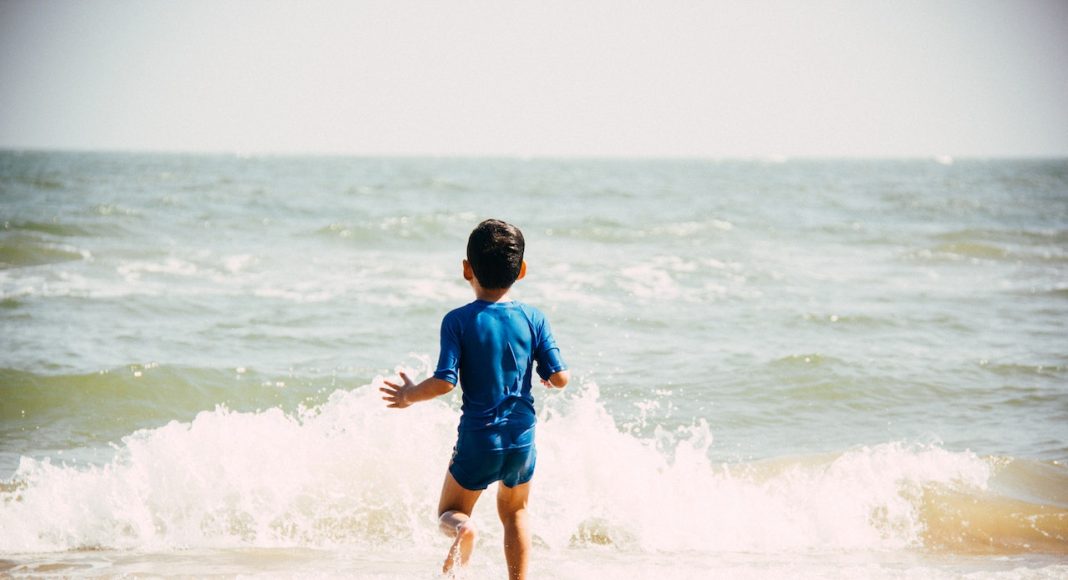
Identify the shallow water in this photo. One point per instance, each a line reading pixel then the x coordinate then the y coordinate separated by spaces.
pixel 808 368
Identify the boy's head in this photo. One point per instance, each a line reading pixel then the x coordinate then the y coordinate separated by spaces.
pixel 495 253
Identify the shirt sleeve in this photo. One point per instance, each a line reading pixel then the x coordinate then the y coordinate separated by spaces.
pixel 448 368
pixel 547 354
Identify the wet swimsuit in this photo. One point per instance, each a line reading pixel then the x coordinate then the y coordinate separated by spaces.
pixel 489 349
pixel 474 467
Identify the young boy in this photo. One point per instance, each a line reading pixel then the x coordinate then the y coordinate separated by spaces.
pixel 489 346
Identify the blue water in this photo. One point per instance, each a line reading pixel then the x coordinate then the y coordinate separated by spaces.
pixel 798 309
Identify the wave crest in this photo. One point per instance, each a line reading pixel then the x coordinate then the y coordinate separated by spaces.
pixel 351 472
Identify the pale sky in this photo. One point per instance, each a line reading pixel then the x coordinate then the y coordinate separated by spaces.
pixel 558 78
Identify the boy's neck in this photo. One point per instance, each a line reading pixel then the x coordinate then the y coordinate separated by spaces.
pixel 495 295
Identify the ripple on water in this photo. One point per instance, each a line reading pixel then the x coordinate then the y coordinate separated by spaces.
pixel 22 251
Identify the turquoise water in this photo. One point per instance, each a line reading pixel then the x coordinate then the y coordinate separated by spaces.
pixel 749 340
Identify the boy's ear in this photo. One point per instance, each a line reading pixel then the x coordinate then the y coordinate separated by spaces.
pixel 469 274
pixel 522 270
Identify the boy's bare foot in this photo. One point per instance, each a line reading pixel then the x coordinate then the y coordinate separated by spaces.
pixel 461 549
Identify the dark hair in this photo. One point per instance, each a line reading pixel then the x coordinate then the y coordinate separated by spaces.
pixel 495 252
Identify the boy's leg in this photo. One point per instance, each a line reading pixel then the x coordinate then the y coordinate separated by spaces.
pixel 512 508
pixel 454 518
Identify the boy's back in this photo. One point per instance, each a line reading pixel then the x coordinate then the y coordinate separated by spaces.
pixel 490 348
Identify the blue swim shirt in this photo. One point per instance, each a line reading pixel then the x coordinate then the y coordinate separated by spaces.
pixel 489 349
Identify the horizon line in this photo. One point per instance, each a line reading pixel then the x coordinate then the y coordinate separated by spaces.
pixel 944 158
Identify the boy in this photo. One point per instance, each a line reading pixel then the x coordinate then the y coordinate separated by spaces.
pixel 489 346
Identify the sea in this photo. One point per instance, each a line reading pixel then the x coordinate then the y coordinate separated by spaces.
pixel 781 368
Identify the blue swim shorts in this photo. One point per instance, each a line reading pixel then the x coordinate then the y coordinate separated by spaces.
pixel 475 469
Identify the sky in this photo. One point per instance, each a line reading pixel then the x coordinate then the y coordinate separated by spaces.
pixel 662 78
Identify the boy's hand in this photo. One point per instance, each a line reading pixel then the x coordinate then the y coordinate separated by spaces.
pixel 557 380
pixel 396 395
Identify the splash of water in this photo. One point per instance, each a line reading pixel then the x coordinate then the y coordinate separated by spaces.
pixel 351 472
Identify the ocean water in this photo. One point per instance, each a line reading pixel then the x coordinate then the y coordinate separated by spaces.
pixel 781 368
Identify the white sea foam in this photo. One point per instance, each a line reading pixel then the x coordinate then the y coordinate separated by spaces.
pixel 351 472
pixel 649 281
pixel 300 293
pixel 664 494
pixel 132 271
pixel 238 262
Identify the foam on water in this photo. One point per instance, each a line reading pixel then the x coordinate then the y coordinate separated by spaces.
pixel 352 473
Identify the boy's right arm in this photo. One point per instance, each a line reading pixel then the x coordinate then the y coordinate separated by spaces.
pixel 401 396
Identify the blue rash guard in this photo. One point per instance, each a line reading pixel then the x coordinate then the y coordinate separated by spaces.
pixel 489 349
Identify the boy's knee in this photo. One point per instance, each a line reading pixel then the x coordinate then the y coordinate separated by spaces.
pixel 513 517
pixel 451 513
pixel 467 530
pixel 456 523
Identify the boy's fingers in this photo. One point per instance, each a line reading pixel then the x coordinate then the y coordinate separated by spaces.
pixel 393 392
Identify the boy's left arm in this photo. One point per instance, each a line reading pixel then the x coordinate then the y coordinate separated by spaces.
pixel 558 379
pixel 401 396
